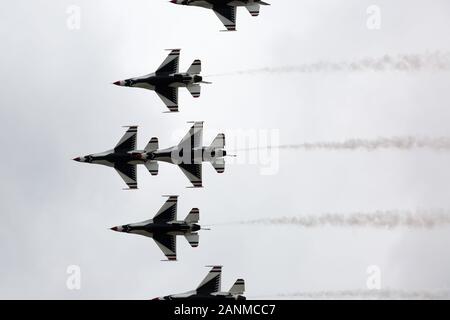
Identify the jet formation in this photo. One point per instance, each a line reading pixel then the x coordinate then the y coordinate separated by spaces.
pixel 166 80
pixel 225 10
pixel 210 289
pixel 189 155
pixel 164 228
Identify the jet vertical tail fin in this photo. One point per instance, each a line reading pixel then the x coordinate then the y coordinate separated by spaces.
pixel 193 216
pixel 193 239
pixel 195 68
pixel 238 287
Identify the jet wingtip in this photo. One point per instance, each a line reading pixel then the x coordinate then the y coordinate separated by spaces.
pixel 218 267
pixel 166 260
pixel 170 195
pixel 195 121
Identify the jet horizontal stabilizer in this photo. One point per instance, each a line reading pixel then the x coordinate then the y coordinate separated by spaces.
pixel 193 216
pixel 194 90
pixel 218 142
pixel 219 165
pixel 195 68
pixel 193 239
pixel 152 145
pixel 152 167
pixel 253 9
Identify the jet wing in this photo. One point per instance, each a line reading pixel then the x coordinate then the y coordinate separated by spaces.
pixel 128 141
pixel 212 282
pixel 169 95
pixel 170 64
pixel 128 174
pixel 168 211
pixel 193 172
pixel 168 245
pixel 194 137
pixel 226 14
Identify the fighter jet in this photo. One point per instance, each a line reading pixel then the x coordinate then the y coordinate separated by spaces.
pixel 164 227
pixel 188 155
pixel 226 9
pixel 166 80
pixel 210 288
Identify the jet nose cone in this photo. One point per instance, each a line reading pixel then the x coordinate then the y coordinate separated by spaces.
pixel 78 159
pixel 118 83
pixel 115 229
pixel 173 1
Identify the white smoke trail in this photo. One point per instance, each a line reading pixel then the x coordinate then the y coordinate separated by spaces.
pixel 384 294
pixel 379 219
pixel 400 143
pixel 434 61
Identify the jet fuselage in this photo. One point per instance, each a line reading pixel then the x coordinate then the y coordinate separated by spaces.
pixel 173 228
pixel 109 158
pixel 177 155
pixel 200 296
pixel 154 80
pixel 174 155
pixel 210 3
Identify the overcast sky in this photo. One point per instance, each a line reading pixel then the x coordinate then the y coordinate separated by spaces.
pixel 57 102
